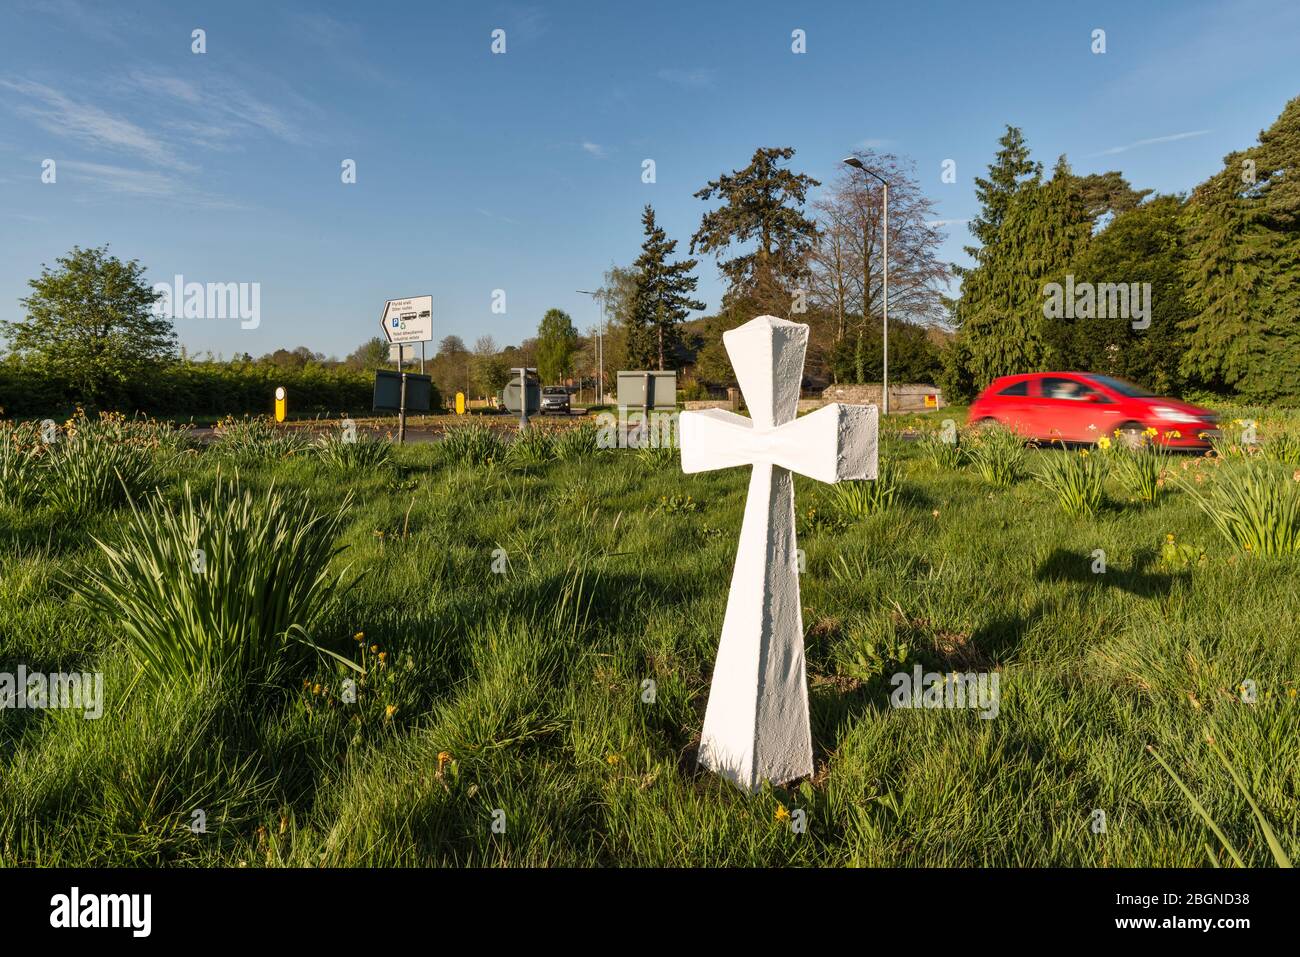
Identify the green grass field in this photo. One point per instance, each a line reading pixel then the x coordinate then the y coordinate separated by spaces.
pixel 511 613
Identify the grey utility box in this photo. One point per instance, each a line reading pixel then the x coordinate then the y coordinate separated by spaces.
pixel 647 390
pixel 510 395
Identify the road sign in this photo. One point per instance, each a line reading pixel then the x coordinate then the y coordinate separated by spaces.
pixel 408 320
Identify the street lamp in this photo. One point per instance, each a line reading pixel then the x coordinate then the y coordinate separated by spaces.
pixel 600 346
pixel 884 385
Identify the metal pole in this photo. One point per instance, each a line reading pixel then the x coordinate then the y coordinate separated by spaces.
pixel 885 364
pixel 523 399
pixel 421 357
pixel 401 410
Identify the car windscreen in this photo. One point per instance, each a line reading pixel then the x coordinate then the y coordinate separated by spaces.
pixel 1122 386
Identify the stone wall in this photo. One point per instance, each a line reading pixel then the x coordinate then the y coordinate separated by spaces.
pixel 904 397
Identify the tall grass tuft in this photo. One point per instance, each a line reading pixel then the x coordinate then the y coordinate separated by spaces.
pixel 1284 446
pixel 532 447
pixel 351 454
pixel 473 444
pixel 254 439
pixel 94 467
pixel 1256 506
pixel 1075 478
pixel 1280 857
pixel 944 455
pixel 214 585
pixel 580 442
pixel 855 500
pixel 21 452
pixel 998 454
pixel 1142 469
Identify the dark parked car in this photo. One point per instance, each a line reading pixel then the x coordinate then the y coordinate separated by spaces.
pixel 1083 406
pixel 555 399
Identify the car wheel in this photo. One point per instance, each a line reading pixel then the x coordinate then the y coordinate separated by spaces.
pixel 1130 435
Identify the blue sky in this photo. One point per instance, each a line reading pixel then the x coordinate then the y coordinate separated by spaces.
pixel 522 171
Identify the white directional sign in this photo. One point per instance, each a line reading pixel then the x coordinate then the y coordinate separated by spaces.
pixel 408 320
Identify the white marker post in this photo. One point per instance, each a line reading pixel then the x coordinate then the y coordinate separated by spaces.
pixel 756 726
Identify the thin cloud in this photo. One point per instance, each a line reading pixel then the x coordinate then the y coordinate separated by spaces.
pixel 876 143
pixel 61 115
pixel 595 149
pixel 139 184
pixel 491 215
pixel 1172 137
pixel 947 222
pixel 692 79
pixel 224 104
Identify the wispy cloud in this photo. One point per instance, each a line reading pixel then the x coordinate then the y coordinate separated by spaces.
pixel 694 78
pixel 140 184
pixel 875 143
pixel 1172 137
pixel 223 104
pixel 491 215
pixel 595 149
pixel 946 222
pixel 88 124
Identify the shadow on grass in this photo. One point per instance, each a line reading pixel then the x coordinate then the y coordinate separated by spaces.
pixel 1063 565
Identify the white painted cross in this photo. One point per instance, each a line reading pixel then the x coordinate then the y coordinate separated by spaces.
pixel 756 726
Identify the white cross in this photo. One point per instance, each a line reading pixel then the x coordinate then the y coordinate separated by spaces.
pixel 756 726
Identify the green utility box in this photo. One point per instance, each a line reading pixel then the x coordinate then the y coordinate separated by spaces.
pixel 388 391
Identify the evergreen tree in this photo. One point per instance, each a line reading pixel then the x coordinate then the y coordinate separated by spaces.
pixel 662 298
pixel 1044 227
pixel 1143 245
pixel 762 203
pixel 1243 240
pixel 1010 171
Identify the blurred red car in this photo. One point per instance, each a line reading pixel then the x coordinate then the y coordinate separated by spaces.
pixel 1083 406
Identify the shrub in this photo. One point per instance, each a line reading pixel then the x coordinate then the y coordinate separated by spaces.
pixel 1075 478
pixel 998 454
pixel 1256 507
pixel 215 584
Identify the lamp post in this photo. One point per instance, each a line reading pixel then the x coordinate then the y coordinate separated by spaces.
pixel 600 346
pixel 884 385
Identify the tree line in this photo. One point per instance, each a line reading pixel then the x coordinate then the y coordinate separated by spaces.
pixel 1067 271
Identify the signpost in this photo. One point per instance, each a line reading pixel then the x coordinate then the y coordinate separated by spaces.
pixel 406 321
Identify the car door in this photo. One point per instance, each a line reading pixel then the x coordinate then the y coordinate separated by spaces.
pixel 1073 410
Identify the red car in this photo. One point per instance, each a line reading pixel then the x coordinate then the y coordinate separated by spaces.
pixel 1083 406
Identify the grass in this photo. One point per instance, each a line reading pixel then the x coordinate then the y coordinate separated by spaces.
pixel 447 694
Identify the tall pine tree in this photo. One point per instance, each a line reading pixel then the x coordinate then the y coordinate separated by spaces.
pixel 1243 238
pixel 662 298
pixel 1042 229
